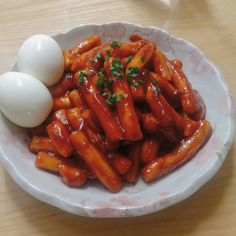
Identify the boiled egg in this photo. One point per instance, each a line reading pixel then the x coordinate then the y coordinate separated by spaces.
pixel 42 57
pixel 24 99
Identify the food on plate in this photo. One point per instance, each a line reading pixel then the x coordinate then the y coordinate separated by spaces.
pixel 121 109
pixel 24 100
pixel 41 57
pixel 185 150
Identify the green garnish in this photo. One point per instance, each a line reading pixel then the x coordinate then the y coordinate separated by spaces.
pixel 102 73
pixel 115 44
pixel 119 97
pixel 140 81
pixel 106 94
pixel 108 51
pixel 100 83
pixel 142 59
pixel 130 80
pixel 98 56
pixel 133 72
pixel 133 82
pixel 116 64
pixel 158 90
pixel 81 77
pixel 128 59
pixel 113 98
pixel 118 75
pixel 154 81
pixel 106 58
pixel 80 80
pixel 116 68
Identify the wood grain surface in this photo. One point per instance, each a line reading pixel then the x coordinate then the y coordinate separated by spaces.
pixel 211 25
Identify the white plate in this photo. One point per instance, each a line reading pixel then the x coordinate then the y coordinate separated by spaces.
pixel 93 200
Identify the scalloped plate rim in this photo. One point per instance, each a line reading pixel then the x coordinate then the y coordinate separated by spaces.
pixel 58 202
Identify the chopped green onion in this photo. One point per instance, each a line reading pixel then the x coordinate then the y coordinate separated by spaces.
pixel 130 80
pixel 116 63
pixel 115 44
pixel 154 81
pixel 119 97
pixel 106 58
pixel 128 59
pixel 158 90
pixel 102 73
pixel 109 102
pixel 80 80
pixel 118 74
pixel 133 71
pixel 106 94
pixel 100 83
pixel 98 56
pixel 81 77
pixel 113 98
pixel 108 51
pixel 116 68
pixel 142 59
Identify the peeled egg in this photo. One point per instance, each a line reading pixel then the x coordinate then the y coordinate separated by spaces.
pixel 24 99
pixel 41 57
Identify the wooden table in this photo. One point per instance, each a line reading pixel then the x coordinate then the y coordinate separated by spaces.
pixel 209 24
